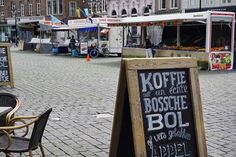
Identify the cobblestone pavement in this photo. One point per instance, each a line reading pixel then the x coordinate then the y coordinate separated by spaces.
pixel 82 95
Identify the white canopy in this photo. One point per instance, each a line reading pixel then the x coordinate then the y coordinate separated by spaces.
pixel 171 17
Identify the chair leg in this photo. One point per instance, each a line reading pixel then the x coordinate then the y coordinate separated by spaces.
pixel 42 151
pixel 30 153
pixel 8 154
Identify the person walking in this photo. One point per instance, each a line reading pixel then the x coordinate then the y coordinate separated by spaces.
pixel 148 46
pixel 72 43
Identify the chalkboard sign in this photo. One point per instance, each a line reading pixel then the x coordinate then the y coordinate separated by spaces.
pixel 164 107
pixel 167 112
pixel 6 75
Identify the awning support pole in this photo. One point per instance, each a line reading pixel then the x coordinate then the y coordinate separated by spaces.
pixel 178 35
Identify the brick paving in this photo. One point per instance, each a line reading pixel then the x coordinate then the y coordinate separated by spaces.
pixel 82 95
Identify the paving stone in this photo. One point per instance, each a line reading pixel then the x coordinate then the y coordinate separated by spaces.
pixel 78 91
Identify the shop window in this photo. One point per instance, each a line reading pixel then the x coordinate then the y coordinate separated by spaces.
pixel 134 30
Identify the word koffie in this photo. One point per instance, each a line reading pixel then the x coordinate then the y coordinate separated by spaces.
pixel 163 108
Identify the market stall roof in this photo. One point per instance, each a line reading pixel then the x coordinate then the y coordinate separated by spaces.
pixel 27 25
pixel 61 28
pixel 84 26
pixel 154 19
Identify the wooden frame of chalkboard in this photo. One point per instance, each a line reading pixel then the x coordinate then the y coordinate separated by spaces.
pixel 6 65
pixel 165 117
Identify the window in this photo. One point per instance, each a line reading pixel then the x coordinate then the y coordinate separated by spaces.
pixel 22 9
pixel 162 4
pixel 212 2
pixel 60 7
pixel 38 8
pixel 2 14
pixel 123 13
pixel 13 9
pixel 134 30
pixel 113 13
pixel 54 6
pixel 146 11
pixel 103 6
pixel 97 7
pixel 133 12
pixel 57 7
pixel 226 1
pixel 30 7
pixel 1 2
pixel 49 7
pixel 193 3
pixel 173 4
pixel 72 9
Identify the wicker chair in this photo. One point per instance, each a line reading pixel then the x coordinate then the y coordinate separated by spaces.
pixel 8 100
pixel 17 144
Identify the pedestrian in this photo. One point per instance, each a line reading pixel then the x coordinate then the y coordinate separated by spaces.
pixel 148 46
pixel 17 42
pixel 72 43
pixel 9 40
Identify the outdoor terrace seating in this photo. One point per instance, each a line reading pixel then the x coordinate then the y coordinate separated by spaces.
pixel 8 100
pixel 10 143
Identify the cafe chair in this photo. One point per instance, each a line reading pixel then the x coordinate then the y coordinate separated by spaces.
pixel 8 100
pixel 10 143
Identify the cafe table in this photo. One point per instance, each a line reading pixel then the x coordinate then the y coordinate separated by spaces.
pixel 4 110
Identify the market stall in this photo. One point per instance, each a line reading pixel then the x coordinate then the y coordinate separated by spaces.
pixel 207 36
pixel 100 38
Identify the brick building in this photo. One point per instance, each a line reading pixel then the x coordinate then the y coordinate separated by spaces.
pixel 34 11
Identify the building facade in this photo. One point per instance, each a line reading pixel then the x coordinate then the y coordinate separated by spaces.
pixel 135 35
pixel 15 12
pixel 127 8
pixel 167 6
pixel 204 5
pixel 97 8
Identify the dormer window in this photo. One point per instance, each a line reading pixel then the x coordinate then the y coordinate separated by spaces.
pixel 124 13
pixel 134 12
pixel 113 14
pixel 146 11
